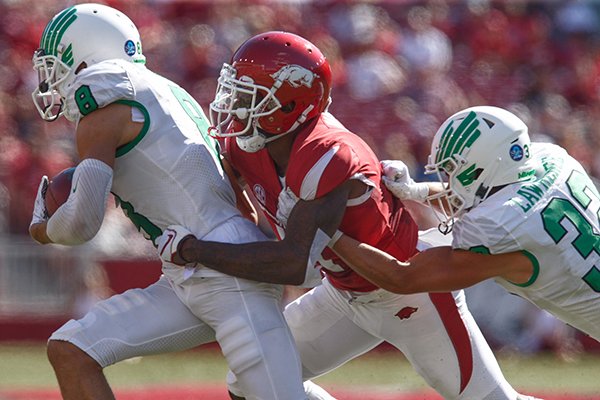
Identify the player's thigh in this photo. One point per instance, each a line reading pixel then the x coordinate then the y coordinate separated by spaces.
pixel 254 337
pixel 222 299
pixel 135 323
pixel 324 331
pixel 441 340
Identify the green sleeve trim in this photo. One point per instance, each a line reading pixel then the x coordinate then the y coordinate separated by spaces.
pixel 121 151
pixel 534 261
pixel 536 270
pixel 480 250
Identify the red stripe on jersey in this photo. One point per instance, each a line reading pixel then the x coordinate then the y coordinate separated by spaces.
pixel 457 331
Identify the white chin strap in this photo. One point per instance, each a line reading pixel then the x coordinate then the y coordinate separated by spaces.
pixel 257 141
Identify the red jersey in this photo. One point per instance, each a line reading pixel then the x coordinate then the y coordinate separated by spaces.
pixel 324 156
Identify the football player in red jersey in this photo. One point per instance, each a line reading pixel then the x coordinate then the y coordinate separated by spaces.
pixel 314 179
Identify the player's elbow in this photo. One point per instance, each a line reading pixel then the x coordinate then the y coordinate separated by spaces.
pixel 402 281
pixel 73 232
pixel 296 272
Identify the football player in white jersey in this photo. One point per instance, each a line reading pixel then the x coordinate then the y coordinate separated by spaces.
pixel 143 138
pixel 500 193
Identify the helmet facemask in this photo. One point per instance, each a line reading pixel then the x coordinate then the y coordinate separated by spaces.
pixel 238 106
pixel 52 75
pixel 464 189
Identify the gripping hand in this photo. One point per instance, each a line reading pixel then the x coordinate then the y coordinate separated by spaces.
pixel 40 213
pixel 397 179
pixel 168 244
pixel 285 204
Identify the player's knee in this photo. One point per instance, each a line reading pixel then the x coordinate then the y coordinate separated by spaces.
pixel 63 354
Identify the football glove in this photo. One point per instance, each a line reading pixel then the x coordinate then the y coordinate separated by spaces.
pixel 397 179
pixel 40 213
pixel 168 244
pixel 285 204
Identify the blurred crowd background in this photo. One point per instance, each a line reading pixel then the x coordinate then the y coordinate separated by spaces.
pixel 400 69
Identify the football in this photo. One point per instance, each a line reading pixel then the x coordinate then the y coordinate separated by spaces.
pixel 59 189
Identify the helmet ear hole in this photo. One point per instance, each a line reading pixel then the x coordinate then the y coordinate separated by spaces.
pixel 81 66
pixel 289 107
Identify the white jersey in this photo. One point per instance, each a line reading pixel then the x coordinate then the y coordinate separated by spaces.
pixel 554 220
pixel 171 173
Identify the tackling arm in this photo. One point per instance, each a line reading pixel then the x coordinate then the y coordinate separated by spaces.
pixel 438 269
pixel 309 229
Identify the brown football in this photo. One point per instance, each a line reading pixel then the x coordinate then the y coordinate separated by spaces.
pixel 59 189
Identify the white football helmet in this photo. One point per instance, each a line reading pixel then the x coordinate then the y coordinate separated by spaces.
pixel 85 33
pixel 474 151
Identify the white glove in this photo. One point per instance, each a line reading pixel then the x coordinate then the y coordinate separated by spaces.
pixel 40 213
pixel 397 179
pixel 285 204
pixel 168 244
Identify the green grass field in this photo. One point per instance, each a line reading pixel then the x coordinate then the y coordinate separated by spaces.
pixel 26 367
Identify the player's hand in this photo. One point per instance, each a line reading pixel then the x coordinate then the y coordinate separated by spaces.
pixel 40 213
pixel 397 179
pixel 286 202
pixel 168 244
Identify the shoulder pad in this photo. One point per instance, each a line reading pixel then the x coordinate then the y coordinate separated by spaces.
pixel 96 87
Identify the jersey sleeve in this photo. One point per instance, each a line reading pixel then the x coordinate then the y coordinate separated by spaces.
pixel 318 169
pixel 96 87
pixel 490 230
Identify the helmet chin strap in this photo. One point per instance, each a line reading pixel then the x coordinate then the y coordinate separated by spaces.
pixel 258 140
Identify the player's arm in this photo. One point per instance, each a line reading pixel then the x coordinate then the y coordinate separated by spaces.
pixel 309 229
pixel 438 269
pixel 98 136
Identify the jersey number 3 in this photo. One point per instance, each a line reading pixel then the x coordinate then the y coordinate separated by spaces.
pixel 587 241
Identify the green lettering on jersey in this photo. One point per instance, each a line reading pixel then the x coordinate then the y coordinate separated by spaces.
pixel 85 100
pixel 194 111
pixel 587 241
pixel 531 196
pixel 532 191
pixel 142 224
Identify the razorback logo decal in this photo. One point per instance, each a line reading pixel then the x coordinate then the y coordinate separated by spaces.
pixel 295 75
pixel 406 312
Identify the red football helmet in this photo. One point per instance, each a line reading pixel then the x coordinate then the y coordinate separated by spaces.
pixel 275 82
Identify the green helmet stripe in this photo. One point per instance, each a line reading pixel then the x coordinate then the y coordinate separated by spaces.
pixel 43 41
pixel 60 31
pixel 443 141
pixel 57 30
pixel 51 28
pixel 466 132
pixel 464 136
